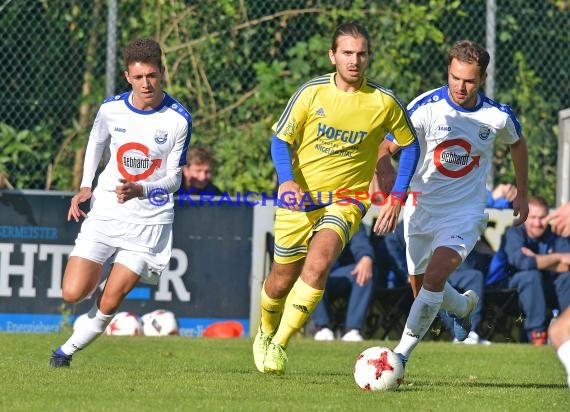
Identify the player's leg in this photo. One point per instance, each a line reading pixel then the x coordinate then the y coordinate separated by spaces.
pixel 416 282
pixel 292 232
pixel 308 290
pixel 469 279
pixel 81 278
pixel 272 300
pixel 330 229
pixel 459 234
pixel 429 300
pixel 559 333
pixel 120 282
pixel 275 289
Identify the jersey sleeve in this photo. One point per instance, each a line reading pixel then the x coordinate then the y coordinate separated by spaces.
pixel 294 117
pixel 95 146
pixel 174 162
pixel 512 131
pixel 399 124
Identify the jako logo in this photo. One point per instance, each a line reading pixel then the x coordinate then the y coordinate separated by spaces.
pixel 120 129
pixel 444 128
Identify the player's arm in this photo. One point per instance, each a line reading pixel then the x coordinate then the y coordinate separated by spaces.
pixel 389 212
pixel 385 173
pixel 289 190
pixel 403 133
pixel 519 154
pixel 93 153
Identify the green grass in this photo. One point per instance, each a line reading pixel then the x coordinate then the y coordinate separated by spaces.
pixel 200 374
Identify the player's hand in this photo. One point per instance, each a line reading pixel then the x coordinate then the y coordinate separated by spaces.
pixel 74 210
pixel 363 270
pixel 559 220
pixel 520 208
pixel 290 195
pixel 388 216
pixel 127 191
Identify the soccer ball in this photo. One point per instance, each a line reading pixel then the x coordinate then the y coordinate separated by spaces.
pixel 159 323
pixel 124 324
pixel 378 369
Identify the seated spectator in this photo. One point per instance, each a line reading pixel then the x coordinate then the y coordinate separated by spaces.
pixel 352 275
pixel 465 277
pixel 536 262
pixel 197 173
pixel 501 197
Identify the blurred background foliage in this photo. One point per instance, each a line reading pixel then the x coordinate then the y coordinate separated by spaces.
pixel 235 63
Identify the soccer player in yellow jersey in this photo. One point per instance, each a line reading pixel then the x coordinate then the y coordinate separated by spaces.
pixel 332 127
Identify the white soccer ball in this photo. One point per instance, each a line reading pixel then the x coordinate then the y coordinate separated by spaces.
pixel 378 369
pixel 159 323
pixel 124 324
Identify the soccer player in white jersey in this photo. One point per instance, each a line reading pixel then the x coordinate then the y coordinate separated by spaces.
pixel 456 126
pixel 131 214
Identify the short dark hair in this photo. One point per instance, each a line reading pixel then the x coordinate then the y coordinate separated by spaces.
pixel 538 201
pixel 353 29
pixel 143 51
pixel 200 156
pixel 470 52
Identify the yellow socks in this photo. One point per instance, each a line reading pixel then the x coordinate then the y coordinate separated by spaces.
pixel 298 307
pixel 271 311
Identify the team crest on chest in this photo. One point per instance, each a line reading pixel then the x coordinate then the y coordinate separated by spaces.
pixel 484 132
pixel 160 136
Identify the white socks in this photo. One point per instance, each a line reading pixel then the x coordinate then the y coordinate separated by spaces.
pixel 453 301
pixel 423 312
pixel 563 353
pixel 88 332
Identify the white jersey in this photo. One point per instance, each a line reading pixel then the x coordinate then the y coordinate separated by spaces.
pixel 147 147
pixel 456 149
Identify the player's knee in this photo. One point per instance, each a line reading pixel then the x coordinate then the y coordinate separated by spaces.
pixel 73 295
pixel 109 304
pixel 315 275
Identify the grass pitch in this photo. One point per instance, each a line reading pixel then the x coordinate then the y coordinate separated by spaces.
pixel 201 374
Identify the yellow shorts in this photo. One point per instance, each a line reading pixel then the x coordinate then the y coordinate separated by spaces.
pixel 293 230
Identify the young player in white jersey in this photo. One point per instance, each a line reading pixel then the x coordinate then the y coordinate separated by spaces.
pixel 456 126
pixel 131 214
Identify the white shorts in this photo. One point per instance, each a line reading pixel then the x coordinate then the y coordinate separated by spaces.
pixel 144 249
pixel 424 232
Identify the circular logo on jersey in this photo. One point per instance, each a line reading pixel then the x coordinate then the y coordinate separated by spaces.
pixel 453 158
pixel 484 132
pixel 134 163
pixel 160 136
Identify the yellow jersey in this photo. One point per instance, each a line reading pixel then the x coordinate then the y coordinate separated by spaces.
pixel 335 135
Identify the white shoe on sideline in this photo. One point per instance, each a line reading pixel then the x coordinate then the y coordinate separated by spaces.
pixel 473 339
pixel 324 334
pixel 352 335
